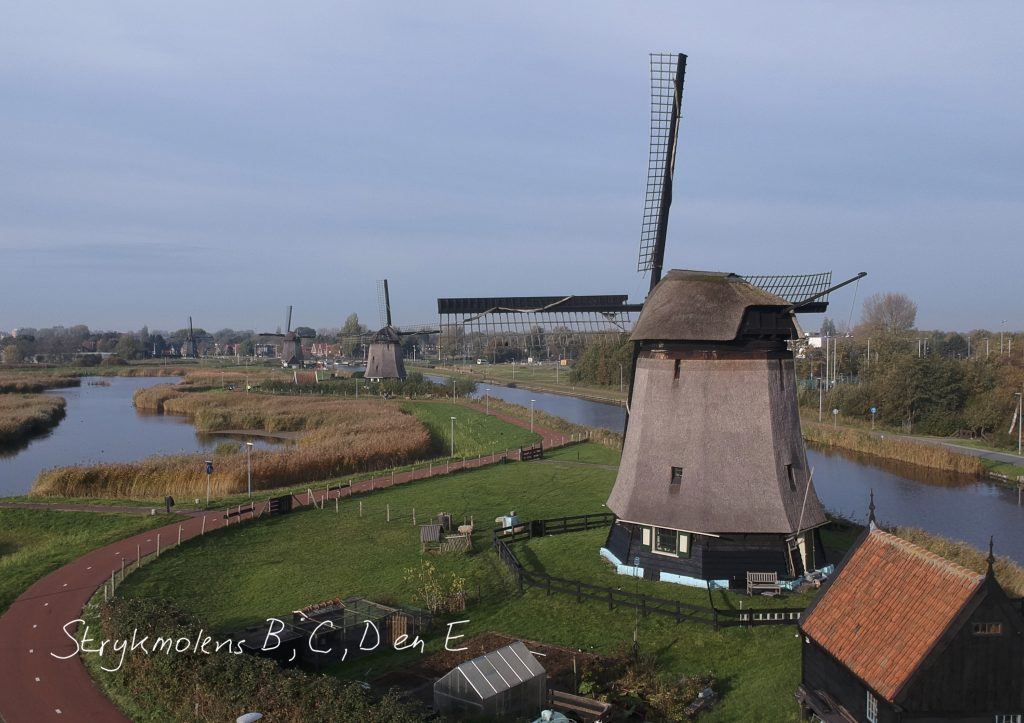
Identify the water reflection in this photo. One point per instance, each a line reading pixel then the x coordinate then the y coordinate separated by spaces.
pixel 102 425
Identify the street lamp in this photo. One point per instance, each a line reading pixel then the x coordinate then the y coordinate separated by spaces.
pixel 487 399
pixel 453 436
pixel 1020 422
pixel 531 413
pixel 248 464
pixel 620 377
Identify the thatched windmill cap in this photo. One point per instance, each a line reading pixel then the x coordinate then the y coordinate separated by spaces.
pixel 699 306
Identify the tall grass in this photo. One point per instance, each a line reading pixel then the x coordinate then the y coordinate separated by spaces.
pixel 335 438
pixel 921 454
pixel 1009 574
pixel 32 383
pixel 22 415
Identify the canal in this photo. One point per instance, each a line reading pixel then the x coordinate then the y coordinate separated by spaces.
pixel 961 508
pixel 102 425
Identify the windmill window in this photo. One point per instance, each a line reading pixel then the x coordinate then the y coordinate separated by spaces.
pixel 987 628
pixel 791 476
pixel 666 540
pixel 675 371
pixel 1009 718
pixel 677 476
pixel 871 711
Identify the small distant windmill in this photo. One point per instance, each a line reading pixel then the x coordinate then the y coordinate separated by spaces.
pixel 385 359
pixel 291 342
pixel 190 349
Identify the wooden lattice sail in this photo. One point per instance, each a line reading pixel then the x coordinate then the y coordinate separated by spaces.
pixel 714 481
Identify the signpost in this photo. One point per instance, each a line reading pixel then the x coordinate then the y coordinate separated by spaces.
pixel 874 410
pixel 835 418
pixel 209 471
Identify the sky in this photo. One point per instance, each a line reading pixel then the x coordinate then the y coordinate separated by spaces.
pixel 224 160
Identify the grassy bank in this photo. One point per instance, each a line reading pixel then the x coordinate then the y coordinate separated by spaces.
pixel 33 383
pixel 531 376
pixel 475 433
pixel 923 455
pixel 25 415
pixel 36 542
pixel 334 437
pixel 610 439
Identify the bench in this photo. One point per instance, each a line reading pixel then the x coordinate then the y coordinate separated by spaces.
pixel 763 582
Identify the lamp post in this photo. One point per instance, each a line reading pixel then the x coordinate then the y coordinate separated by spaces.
pixel 620 377
pixel 453 436
pixel 209 471
pixel 531 413
pixel 1020 422
pixel 487 399
pixel 248 464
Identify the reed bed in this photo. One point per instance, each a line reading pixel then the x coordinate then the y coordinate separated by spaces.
pixel 1009 573
pixel 334 438
pixel 33 383
pixel 921 454
pixel 23 415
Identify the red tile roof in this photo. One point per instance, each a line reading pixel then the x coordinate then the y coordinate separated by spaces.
pixel 886 608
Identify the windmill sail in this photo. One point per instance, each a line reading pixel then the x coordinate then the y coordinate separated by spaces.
pixel 668 71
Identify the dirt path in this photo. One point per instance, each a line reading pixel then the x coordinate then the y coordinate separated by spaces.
pixel 35 686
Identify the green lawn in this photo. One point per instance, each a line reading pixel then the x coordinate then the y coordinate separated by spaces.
pixel 239 576
pixel 533 376
pixel 36 542
pixel 475 432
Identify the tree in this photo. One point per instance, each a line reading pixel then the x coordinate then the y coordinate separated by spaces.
pixel 305 331
pixel 888 314
pixel 349 333
pixel 828 327
pixel 127 347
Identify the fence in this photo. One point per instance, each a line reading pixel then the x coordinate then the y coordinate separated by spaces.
pixel 503 537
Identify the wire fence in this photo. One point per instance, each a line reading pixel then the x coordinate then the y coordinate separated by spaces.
pixel 502 539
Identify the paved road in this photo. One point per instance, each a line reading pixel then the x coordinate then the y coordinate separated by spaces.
pixel 961 448
pixel 35 686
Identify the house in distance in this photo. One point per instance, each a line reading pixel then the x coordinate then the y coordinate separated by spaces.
pixel 901 634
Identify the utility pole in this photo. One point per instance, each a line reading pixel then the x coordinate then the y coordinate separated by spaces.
pixel 1020 422
pixel 620 377
pixel 248 464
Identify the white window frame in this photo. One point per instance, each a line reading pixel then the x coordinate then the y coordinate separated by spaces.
pixel 1009 718
pixel 871 708
pixel 683 543
pixel 654 542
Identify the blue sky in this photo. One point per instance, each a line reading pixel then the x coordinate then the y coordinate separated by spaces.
pixel 227 159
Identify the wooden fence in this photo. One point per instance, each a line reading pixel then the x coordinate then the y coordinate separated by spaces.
pixel 503 538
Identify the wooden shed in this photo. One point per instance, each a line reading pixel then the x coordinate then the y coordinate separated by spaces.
pixel 901 634
pixel 506 684
pixel 714 481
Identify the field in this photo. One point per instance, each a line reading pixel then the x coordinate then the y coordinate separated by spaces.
pixel 36 542
pixel 323 554
pixel 24 415
pixel 34 382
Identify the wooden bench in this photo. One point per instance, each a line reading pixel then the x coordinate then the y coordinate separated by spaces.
pixel 763 582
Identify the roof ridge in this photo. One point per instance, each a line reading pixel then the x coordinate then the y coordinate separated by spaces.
pixel 929 556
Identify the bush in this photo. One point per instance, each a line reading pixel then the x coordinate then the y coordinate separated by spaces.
pixel 222 686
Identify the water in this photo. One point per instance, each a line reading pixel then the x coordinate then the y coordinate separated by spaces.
pixel 962 508
pixel 102 425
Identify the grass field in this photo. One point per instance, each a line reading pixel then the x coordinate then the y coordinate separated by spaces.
pixel 36 542
pixel 242 575
pixel 475 431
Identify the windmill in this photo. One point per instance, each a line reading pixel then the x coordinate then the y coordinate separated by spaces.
pixel 385 359
pixel 190 349
pixel 291 342
pixel 714 481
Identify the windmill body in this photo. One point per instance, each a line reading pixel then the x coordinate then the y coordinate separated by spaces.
pixel 714 480
pixel 190 348
pixel 291 343
pixel 384 358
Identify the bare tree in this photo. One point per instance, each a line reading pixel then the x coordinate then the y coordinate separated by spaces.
pixel 888 314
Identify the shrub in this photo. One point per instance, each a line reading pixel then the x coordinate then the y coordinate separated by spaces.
pixel 222 686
